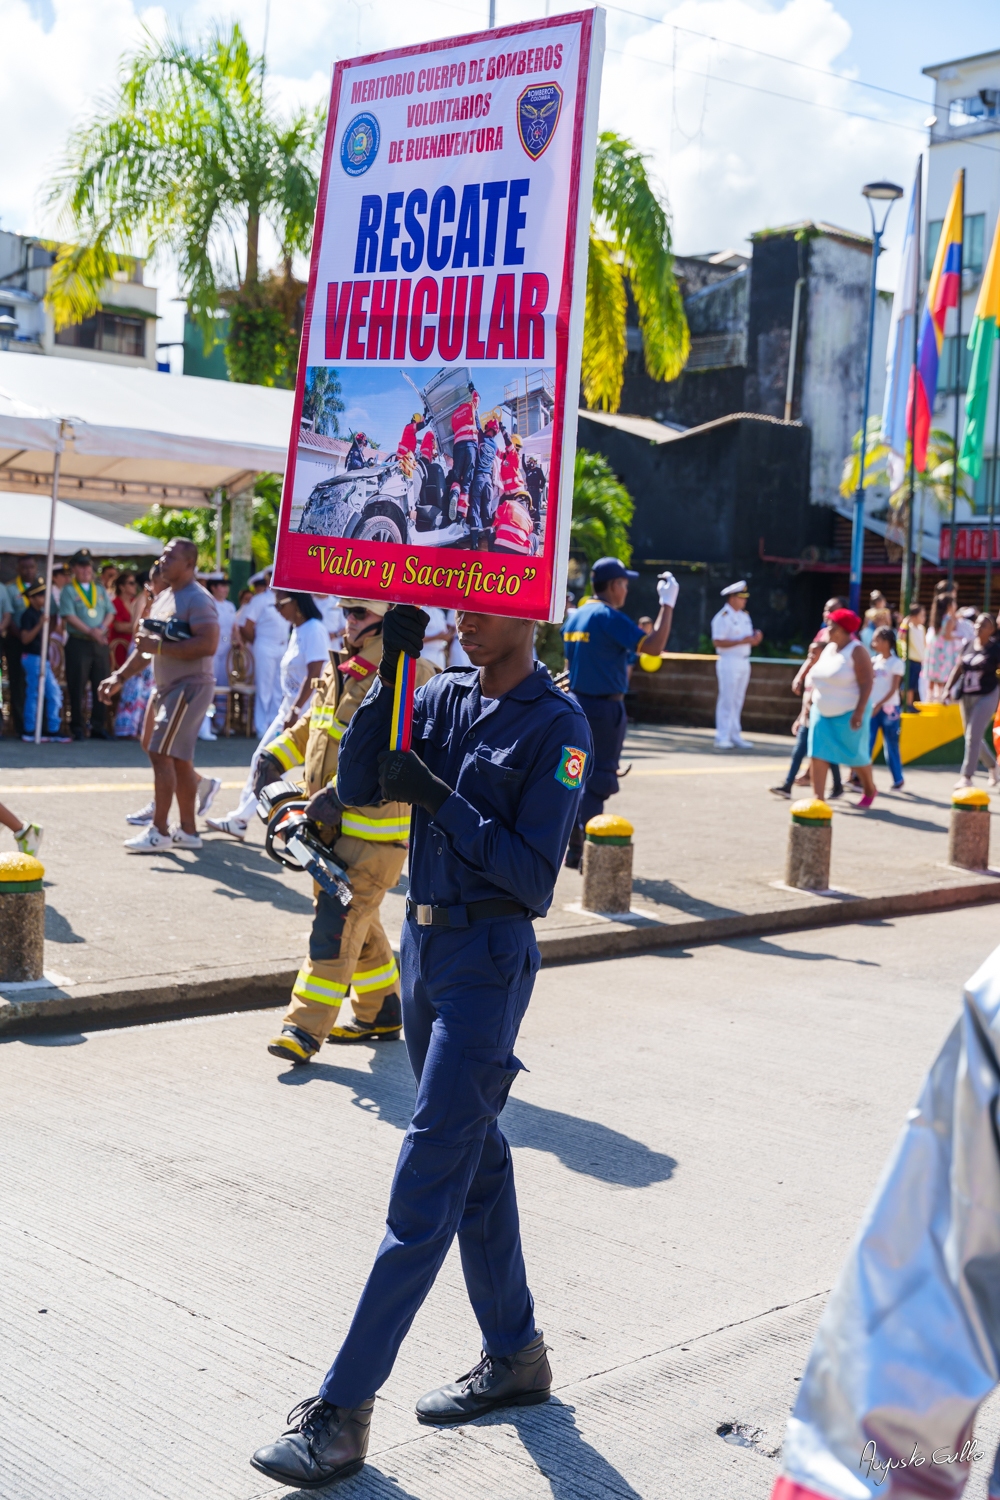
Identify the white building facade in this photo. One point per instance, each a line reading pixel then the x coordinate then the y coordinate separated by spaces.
pixel 965 134
pixel 121 332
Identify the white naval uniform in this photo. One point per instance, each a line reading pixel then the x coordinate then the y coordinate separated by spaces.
pixel 732 668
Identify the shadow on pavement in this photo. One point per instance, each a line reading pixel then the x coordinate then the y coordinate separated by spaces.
pixel 768 949
pixel 572 1466
pixel 94 755
pixel 665 893
pixel 58 929
pixel 584 1146
pixel 244 870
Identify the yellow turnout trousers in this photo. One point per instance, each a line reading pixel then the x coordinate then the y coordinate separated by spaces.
pixel 348 947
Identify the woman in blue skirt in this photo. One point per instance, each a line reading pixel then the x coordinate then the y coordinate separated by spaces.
pixel 841 684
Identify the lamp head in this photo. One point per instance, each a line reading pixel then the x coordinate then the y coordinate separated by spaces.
pixel 888 191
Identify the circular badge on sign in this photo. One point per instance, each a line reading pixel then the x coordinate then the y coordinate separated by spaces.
pixel 359 147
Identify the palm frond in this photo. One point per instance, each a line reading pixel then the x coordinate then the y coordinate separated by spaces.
pixel 604 327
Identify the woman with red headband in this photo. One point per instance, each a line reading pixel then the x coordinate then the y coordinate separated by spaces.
pixel 841 685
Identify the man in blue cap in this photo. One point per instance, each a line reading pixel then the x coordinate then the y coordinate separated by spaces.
pixel 599 638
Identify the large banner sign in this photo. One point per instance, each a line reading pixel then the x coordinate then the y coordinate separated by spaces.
pixel 431 456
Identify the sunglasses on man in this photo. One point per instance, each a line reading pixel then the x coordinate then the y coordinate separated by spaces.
pixel 357 612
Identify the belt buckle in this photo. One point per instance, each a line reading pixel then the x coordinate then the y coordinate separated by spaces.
pixel 425 916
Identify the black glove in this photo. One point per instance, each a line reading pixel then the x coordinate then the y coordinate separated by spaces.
pixel 269 769
pixel 403 777
pixel 325 806
pixel 402 630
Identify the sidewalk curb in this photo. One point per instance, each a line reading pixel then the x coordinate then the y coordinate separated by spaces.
pixel 134 1001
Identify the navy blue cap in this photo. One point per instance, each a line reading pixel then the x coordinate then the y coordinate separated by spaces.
pixel 607 568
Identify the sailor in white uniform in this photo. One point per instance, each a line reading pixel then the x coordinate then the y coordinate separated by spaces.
pixel 733 636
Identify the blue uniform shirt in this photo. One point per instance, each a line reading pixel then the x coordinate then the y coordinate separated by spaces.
pixel 598 641
pixel 517 765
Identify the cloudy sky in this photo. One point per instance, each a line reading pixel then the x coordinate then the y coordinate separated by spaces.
pixel 754 114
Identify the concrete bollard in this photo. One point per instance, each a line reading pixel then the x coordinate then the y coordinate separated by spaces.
pixel 969 834
pixel 810 838
pixel 22 918
pixel 607 864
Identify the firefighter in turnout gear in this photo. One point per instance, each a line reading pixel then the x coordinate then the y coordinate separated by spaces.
pixel 347 946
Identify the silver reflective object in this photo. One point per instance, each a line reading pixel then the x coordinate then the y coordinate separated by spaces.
pixel 908 1345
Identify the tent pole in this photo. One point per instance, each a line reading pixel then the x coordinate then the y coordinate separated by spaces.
pixel 218 531
pixel 43 661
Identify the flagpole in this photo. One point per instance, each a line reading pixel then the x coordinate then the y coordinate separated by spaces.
pixel 993 489
pixel 911 423
pixel 958 382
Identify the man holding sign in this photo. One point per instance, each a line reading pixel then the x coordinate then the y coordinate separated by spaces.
pixel 495 775
pixel 450 259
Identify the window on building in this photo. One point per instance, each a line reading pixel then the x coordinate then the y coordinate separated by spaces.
pixel 974 230
pixel 946 369
pixel 110 332
pixel 982 106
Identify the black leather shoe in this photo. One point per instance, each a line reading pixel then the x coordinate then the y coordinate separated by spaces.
pixel 323 1443
pixel 522 1379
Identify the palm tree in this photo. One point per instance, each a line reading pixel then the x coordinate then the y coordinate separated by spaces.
pixel 187 155
pixel 602 510
pixel 322 404
pixel 629 250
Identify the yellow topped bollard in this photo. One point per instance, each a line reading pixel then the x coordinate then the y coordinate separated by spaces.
pixel 607 864
pixel 22 918
pixel 969 833
pixel 810 839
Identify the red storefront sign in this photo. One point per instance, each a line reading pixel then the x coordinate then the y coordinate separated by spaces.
pixel 971 544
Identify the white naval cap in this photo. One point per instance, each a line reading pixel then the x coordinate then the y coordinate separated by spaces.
pixel 735 588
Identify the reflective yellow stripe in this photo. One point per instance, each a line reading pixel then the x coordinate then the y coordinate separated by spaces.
pixel 577 635
pixel 312 987
pixel 378 830
pixel 323 718
pixel 286 752
pixel 376 979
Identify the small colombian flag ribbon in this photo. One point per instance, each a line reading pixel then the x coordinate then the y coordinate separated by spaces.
pixel 401 729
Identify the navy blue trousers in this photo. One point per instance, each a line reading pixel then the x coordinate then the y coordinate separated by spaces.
pixel 608 721
pixel 479 503
pixel 464 463
pixel 464 992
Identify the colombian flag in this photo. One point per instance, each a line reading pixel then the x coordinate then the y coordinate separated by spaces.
pixel 984 331
pixel 943 291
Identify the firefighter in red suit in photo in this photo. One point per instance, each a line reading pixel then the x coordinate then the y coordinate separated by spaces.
pixel 513 526
pixel 465 437
pixel 511 478
pixel 408 442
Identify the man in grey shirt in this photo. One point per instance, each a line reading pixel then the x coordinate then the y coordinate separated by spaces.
pixel 182 643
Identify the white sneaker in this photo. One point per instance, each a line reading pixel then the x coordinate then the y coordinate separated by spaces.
pixel 209 788
pixel 229 825
pixel 724 745
pixel 29 840
pixel 182 840
pixel 962 784
pixel 143 817
pixel 149 841
pixel 742 744
pixel 993 777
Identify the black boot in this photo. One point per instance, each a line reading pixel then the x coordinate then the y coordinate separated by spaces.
pixel 522 1379
pixel 386 1027
pixel 323 1443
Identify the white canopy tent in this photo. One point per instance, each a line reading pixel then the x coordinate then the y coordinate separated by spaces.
pixel 78 428
pixel 24 529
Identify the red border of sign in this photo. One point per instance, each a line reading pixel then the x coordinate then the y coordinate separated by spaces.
pixel 289 573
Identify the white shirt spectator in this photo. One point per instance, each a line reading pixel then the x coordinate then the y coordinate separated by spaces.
pixel 308 642
pixel 227 616
pixel 457 656
pixel 886 667
pixel 270 639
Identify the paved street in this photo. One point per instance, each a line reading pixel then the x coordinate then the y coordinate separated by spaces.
pixel 710 842
pixel 186 1225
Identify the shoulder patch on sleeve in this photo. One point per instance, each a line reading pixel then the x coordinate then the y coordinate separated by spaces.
pixel 571 767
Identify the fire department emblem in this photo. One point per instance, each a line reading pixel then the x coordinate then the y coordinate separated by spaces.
pixel 538 111
pixel 359 147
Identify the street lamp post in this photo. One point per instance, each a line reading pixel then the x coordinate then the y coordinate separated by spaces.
pixel 886 192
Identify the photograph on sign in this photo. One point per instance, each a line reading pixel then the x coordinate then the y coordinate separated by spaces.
pixel 431 458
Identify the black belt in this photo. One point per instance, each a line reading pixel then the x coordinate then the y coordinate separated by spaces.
pixel 463 916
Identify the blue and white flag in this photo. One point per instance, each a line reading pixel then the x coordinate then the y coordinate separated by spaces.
pixel 899 357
